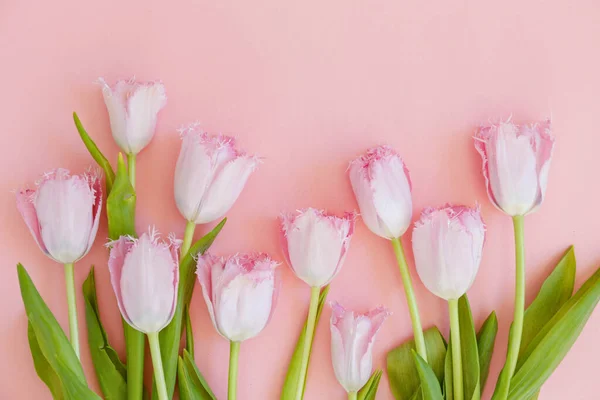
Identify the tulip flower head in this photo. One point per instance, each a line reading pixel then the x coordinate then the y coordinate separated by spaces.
pixel 352 338
pixel 133 108
pixel 240 292
pixel 315 243
pixel 447 245
pixel 144 274
pixel 63 213
pixel 381 184
pixel 210 175
pixel 516 161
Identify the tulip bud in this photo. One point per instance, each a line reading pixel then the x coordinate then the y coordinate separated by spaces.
pixel 315 244
pixel 132 109
pixel 516 161
pixel 382 187
pixel 447 245
pixel 63 214
pixel 240 292
pixel 144 274
pixel 352 338
pixel 210 175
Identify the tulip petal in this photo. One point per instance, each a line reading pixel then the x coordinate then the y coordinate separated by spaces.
pixel 116 260
pixel 96 186
pixel 27 210
pixel 143 106
pixel 115 100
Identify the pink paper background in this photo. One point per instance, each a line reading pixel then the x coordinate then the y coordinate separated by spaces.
pixel 308 85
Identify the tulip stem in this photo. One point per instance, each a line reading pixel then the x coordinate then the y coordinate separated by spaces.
pixel 352 395
pixel 159 374
pixel 131 168
pixel 308 337
pixel 188 236
pixel 234 352
pixel 73 329
pixel 410 299
pixel 457 371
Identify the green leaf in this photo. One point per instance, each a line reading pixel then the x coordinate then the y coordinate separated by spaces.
pixel 96 154
pixel 110 371
pixel 369 391
pixel 402 371
pixel 485 344
pixel 189 332
pixel 293 374
pixel 170 337
pixel 50 347
pixel 555 291
pixel 430 385
pixel 551 344
pixel 192 385
pixel 120 204
pixel 448 378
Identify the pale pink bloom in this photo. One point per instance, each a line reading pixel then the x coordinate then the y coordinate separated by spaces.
pixel 315 244
pixel 382 187
pixel 144 274
pixel 133 108
pixel 352 338
pixel 447 245
pixel 516 161
pixel 240 292
pixel 63 213
pixel 210 175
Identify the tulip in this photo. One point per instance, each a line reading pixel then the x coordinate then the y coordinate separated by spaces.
pixel 240 292
pixel 63 214
pixel 382 187
pixel 133 108
pixel 209 177
pixel 447 243
pixel 516 162
pixel 315 245
pixel 144 274
pixel 352 338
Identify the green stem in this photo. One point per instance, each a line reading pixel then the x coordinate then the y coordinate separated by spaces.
pixel 410 299
pixel 308 337
pixel 352 395
pixel 188 236
pixel 134 346
pixel 457 371
pixel 234 352
pixel 73 329
pixel 131 168
pixel 159 374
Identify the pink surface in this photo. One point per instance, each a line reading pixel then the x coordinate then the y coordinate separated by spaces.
pixel 308 85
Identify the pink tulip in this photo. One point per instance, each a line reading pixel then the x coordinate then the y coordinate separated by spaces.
pixel 382 187
pixel 144 274
pixel 240 292
pixel 315 244
pixel 352 338
pixel 516 161
pixel 447 245
pixel 210 175
pixel 133 108
pixel 63 214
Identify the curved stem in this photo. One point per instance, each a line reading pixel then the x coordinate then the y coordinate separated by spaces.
pixel 352 395
pixel 234 352
pixel 457 371
pixel 72 306
pixel 308 337
pixel 159 374
pixel 410 299
pixel 131 168
pixel 188 236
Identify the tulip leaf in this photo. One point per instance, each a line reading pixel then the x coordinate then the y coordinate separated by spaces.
pixel 192 385
pixel 293 374
pixel 485 345
pixel 120 204
pixel 54 358
pixel 448 378
pixel 369 391
pixel 96 154
pixel 110 371
pixel 170 337
pixel 189 332
pixel 554 340
pixel 430 385
pixel 402 371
